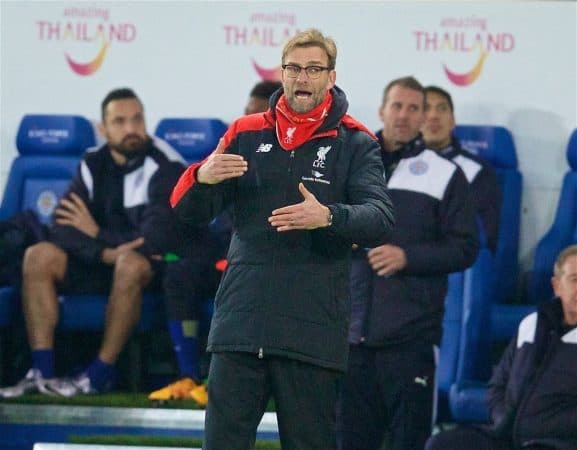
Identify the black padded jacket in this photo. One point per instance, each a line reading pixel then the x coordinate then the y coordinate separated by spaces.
pixel 286 294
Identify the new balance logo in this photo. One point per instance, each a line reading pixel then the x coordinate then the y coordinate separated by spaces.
pixel 264 148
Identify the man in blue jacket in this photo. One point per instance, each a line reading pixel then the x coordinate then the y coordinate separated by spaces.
pixel 398 289
pixel 533 390
pixel 111 230
pixel 304 182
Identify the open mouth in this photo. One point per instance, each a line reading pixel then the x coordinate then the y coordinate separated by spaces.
pixel 303 94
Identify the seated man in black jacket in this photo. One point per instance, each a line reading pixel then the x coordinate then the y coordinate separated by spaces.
pixel 112 229
pixel 533 391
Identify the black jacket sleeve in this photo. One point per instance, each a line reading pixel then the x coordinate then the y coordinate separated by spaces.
pixel 487 196
pixel 156 221
pixel 70 239
pixel 501 415
pixel 458 245
pixel 368 214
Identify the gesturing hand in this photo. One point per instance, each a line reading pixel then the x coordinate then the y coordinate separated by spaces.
pixel 73 211
pixel 306 215
pixel 221 166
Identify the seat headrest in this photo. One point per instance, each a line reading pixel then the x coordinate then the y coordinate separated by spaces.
pixel 492 143
pixel 54 135
pixel 572 150
pixel 193 138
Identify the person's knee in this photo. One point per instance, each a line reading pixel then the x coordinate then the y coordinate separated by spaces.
pixel 44 258
pixel 132 268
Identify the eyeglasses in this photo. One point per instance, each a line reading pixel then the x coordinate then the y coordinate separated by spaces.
pixel 313 72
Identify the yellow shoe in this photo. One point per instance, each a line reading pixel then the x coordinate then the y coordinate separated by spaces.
pixel 179 390
pixel 199 394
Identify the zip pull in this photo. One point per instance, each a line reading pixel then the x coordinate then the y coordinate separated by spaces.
pixel 291 159
pixel 260 353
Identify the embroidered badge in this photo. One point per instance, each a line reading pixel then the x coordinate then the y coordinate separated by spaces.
pixel 418 167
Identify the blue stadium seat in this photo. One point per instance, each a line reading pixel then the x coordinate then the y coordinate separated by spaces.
pixel 48 152
pixel 563 231
pixel 449 348
pixel 193 138
pixel 49 148
pixel 468 400
pixel 467 394
pixel 495 144
pixel 475 297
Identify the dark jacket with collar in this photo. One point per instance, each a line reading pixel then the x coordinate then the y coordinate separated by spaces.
pixel 435 226
pixel 533 391
pixel 126 202
pixel 484 188
pixel 286 294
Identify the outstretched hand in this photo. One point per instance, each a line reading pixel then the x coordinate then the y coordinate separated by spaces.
pixel 220 166
pixel 306 215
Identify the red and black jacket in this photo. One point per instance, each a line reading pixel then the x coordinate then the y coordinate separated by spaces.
pixel 287 293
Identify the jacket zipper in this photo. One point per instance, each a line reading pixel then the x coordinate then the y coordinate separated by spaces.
pixel 260 354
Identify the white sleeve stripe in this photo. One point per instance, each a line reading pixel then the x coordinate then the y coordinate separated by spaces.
pixel 570 337
pixel 86 176
pixel 469 167
pixel 170 152
pixel 527 329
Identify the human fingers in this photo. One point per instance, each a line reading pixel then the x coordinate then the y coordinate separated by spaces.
pixel 305 192
pixel 78 201
pixel 66 204
pixel 64 213
pixel 228 169
pixel 220 146
pixel 134 243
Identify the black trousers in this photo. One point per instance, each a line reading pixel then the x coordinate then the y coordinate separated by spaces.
pixel 387 392
pixel 240 386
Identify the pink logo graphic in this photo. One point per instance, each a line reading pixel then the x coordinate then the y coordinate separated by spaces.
pixel 459 36
pixel 86 25
pixel 90 67
pixel 264 31
pixel 267 74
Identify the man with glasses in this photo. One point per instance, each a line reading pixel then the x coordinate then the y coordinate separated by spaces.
pixel 304 182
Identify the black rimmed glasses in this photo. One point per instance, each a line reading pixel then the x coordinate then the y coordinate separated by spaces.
pixel 313 72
